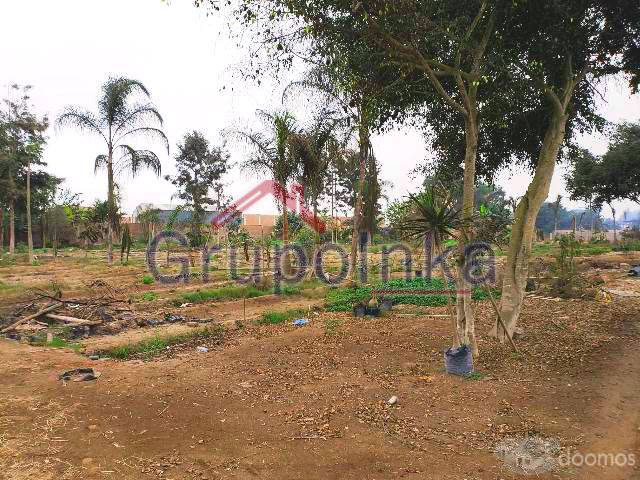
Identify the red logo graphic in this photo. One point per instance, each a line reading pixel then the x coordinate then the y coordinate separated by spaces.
pixel 294 203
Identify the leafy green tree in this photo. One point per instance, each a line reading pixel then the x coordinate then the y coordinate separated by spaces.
pixel 149 219
pixel 25 135
pixel 120 119
pixel 200 168
pixel 294 221
pixel 614 176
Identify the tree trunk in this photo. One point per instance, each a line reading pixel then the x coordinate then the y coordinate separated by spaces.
pixel 523 229
pixel 615 231
pixel 286 261
pixel 1 231
pixel 465 305
pixel 285 217
pixel 110 208
pixel 43 227
pixel 12 226
pixel 357 211
pixel 29 229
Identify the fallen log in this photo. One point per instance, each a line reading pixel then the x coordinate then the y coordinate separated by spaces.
pixel 73 320
pixel 47 309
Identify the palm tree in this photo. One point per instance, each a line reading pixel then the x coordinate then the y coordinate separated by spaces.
pixel 314 151
pixel 119 119
pixel 353 97
pixel 272 154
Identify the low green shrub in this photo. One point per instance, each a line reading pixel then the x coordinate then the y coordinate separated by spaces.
pixel 153 346
pixel 224 293
pixel 275 318
pixel 149 297
pixel 343 299
pixel 148 279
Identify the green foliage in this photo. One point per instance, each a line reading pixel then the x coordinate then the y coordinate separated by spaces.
pixel 613 176
pixel 158 343
pixel 200 168
pixel 343 299
pixel 126 243
pixel 57 342
pixel 565 267
pixel 331 326
pixel 148 279
pixel 224 293
pixel 295 224
pixel 120 119
pixel 433 212
pixel 149 297
pixel 275 318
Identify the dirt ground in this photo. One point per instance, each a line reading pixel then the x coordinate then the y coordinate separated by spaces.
pixel 280 402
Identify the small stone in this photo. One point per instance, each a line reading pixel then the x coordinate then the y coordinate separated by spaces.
pixel 87 461
pixel 94 357
pixel 93 427
pixel 393 400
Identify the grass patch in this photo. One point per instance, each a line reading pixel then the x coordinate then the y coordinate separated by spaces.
pixel 343 299
pixel 153 346
pixel 224 293
pixel 275 318
pixel 57 342
pixel 331 326
pixel 10 288
pixel 233 292
pixel 474 376
pixel 149 297
pixel 590 250
pixel 148 279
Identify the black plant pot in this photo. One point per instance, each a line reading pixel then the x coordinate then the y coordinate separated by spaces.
pixel 386 304
pixel 359 310
pixel 373 311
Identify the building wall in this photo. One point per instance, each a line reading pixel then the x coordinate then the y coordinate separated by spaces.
pixel 586 235
pixel 252 220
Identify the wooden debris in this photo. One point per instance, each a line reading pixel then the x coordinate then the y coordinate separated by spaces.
pixel 73 320
pixel 47 309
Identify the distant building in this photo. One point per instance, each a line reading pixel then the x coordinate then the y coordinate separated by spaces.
pixel 256 225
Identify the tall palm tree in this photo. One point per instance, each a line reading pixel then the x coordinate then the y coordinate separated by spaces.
pixel 271 154
pixel 314 150
pixel 120 118
pixel 356 100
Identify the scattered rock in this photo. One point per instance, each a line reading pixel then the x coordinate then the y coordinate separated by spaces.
pixel 393 400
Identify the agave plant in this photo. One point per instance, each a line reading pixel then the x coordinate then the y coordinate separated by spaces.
pixel 435 213
pixel 119 120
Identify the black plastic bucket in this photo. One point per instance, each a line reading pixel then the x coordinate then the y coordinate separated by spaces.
pixel 458 361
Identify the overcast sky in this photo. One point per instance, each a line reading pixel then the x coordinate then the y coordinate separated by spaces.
pixel 67 49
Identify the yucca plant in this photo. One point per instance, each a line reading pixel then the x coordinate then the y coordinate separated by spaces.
pixel 436 214
pixel 120 119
